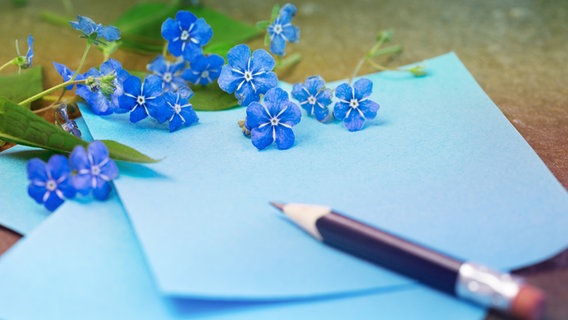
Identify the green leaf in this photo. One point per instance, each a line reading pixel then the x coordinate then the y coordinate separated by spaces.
pixel 212 98
pixel 275 12
pixel 20 86
pixel 140 27
pixel 20 125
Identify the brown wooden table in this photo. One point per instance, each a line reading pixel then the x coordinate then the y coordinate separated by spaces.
pixel 516 49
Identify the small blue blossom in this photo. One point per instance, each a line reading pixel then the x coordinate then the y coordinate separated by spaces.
pixel 168 72
pixel 100 91
pixel 247 76
pixel 95 31
pixel 25 62
pixel 186 35
pixel 66 74
pixel 180 112
pixel 94 170
pixel 143 98
pixel 204 69
pixel 62 119
pixel 273 121
pixel 354 105
pixel 313 97
pixel 282 30
pixel 50 183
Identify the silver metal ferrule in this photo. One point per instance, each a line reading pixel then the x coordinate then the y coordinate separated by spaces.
pixel 487 287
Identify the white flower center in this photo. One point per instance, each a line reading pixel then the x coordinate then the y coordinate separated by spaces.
pixel 312 100
pixel 354 103
pixel 248 75
pixel 50 185
pixel 274 121
pixel 177 107
pixel 140 100
pixel 167 77
pixel 277 29
pixel 184 35
pixel 95 170
pixel 205 74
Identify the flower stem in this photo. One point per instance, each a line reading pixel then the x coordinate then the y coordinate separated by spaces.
pixel 83 59
pixel 7 64
pixel 50 90
pixel 290 60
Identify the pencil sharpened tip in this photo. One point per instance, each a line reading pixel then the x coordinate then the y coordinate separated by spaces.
pixel 277 205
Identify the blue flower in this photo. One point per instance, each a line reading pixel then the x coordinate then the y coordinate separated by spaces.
pixel 94 170
pixel 180 112
pixel 169 73
pixel 25 62
pixel 66 74
pixel 95 31
pixel 186 34
pixel 313 97
pixel 143 99
pixel 62 119
pixel 204 69
pixel 248 77
pixel 282 30
pixel 354 105
pixel 100 90
pixel 273 121
pixel 50 183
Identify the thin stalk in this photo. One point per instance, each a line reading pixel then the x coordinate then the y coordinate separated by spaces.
pixel 50 90
pixel 7 64
pixel 83 59
pixel 290 60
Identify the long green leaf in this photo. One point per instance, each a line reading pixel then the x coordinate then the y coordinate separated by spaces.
pixel 20 125
pixel 19 86
pixel 212 98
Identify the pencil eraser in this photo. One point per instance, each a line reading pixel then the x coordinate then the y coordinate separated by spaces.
pixel 528 304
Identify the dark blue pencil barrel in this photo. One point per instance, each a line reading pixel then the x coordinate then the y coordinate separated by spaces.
pixel 434 269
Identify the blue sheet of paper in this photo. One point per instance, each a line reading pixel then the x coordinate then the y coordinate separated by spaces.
pixel 440 165
pixel 84 262
pixel 19 212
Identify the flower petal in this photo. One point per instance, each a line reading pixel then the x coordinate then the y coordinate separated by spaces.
pixel 246 95
pixel 256 115
pixel 175 123
pixel 79 159
pixel 185 19
pixel 321 113
pixel 274 100
pixel 238 57
pixel 99 103
pixel 189 115
pixel 261 137
pixel 261 61
pixel 284 137
pixel 292 33
pixel 265 81
pixel 175 47
pixel 98 151
pixel 126 103
pixel 344 92
pixel 53 202
pixel 354 121
pixel 152 87
pixel 277 45
pixel 299 92
pixel 36 192
pixel 170 29
pixel 132 86
pixel 37 170
pixel 201 32
pixel 83 183
pixel 369 108
pixel 102 189
pixel 59 166
pixel 363 88
pixel 158 109
pixel 229 80
pixel 158 65
pixel 340 110
pixel 292 114
pixel 138 113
